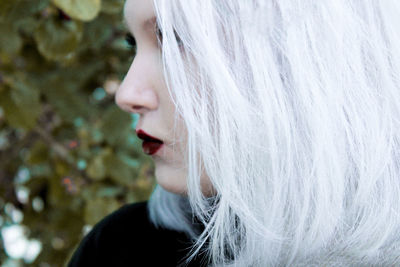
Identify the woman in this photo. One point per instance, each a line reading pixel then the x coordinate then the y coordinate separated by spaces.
pixel 280 123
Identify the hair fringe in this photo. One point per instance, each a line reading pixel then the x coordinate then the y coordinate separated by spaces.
pixel 292 109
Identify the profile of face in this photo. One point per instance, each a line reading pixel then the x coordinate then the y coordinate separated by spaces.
pixel 144 91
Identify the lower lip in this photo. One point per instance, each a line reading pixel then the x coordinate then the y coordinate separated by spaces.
pixel 150 148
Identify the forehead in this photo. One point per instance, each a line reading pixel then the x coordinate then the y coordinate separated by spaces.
pixel 139 13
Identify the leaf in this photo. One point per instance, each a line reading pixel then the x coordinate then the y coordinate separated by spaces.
pixel 97 208
pixel 21 105
pixel 95 137
pixel 73 76
pixel 84 10
pixel 133 163
pixel 58 195
pixel 12 44
pixel 13 11
pixel 112 6
pixel 31 61
pixel 97 168
pixel 110 191
pixel 90 191
pixel 69 102
pixel 58 40
pixel 27 25
pixel 115 125
pixel 61 168
pixel 96 33
pixel 119 170
pixel 95 52
pixel 38 153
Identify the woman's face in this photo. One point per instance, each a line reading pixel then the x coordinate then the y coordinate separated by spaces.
pixel 144 91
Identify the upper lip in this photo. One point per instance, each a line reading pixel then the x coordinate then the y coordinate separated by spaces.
pixel 147 137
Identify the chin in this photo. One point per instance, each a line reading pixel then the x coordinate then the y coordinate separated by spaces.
pixel 173 189
pixel 171 181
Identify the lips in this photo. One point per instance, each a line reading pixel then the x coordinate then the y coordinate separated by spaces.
pixel 150 144
pixel 150 148
pixel 146 137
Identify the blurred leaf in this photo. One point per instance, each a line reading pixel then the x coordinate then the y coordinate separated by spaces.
pixel 21 105
pixel 57 39
pixel 42 169
pixel 58 195
pixel 51 65
pixel 110 191
pixel 69 102
pixel 27 25
pixel 72 77
pixel 30 61
pixel 36 185
pixel 96 33
pixel 12 44
pixel 84 10
pixel 90 191
pixel 119 170
pixel 38 153
pixel 98 208
pixel 61 168
pixel 143 188
pixel 115 124
pixel 97 168
pixel 14 10
pixel 112 6
pixel 133 163
pixel 96 137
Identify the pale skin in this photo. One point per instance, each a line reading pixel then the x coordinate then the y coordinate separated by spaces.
pixel 144 91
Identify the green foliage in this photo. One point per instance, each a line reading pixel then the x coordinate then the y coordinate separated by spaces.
pixel 84 10
pixel 56 39
pixel 62 137
pixel 21 105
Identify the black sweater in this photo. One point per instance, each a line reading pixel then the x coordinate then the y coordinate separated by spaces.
pixel 127 238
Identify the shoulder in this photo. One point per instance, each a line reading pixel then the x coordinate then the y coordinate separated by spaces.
pixel 125 218
pixel 127 236
pixel 132 222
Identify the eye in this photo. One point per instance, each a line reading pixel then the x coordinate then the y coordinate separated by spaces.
pixel 160 36
pixel 130 40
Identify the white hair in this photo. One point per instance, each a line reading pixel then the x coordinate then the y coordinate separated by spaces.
pixel 292 109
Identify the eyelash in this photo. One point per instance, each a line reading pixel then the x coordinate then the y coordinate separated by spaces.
pixel 132 42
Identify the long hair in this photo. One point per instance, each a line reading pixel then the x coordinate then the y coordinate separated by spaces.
pixel 292 109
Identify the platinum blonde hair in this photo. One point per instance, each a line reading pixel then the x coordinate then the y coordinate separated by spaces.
pixel 292 109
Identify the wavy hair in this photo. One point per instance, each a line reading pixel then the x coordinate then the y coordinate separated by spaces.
pixel 292 109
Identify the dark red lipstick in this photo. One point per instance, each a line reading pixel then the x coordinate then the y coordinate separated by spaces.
pixel 150 143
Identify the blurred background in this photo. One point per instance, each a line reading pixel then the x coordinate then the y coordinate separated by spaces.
pixel 68 155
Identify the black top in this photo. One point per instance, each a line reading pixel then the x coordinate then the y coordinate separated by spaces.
pixel 127 238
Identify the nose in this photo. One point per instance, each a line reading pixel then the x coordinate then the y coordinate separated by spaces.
pixel 136 93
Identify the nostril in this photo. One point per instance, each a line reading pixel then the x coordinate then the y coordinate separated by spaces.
pixel 136 109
